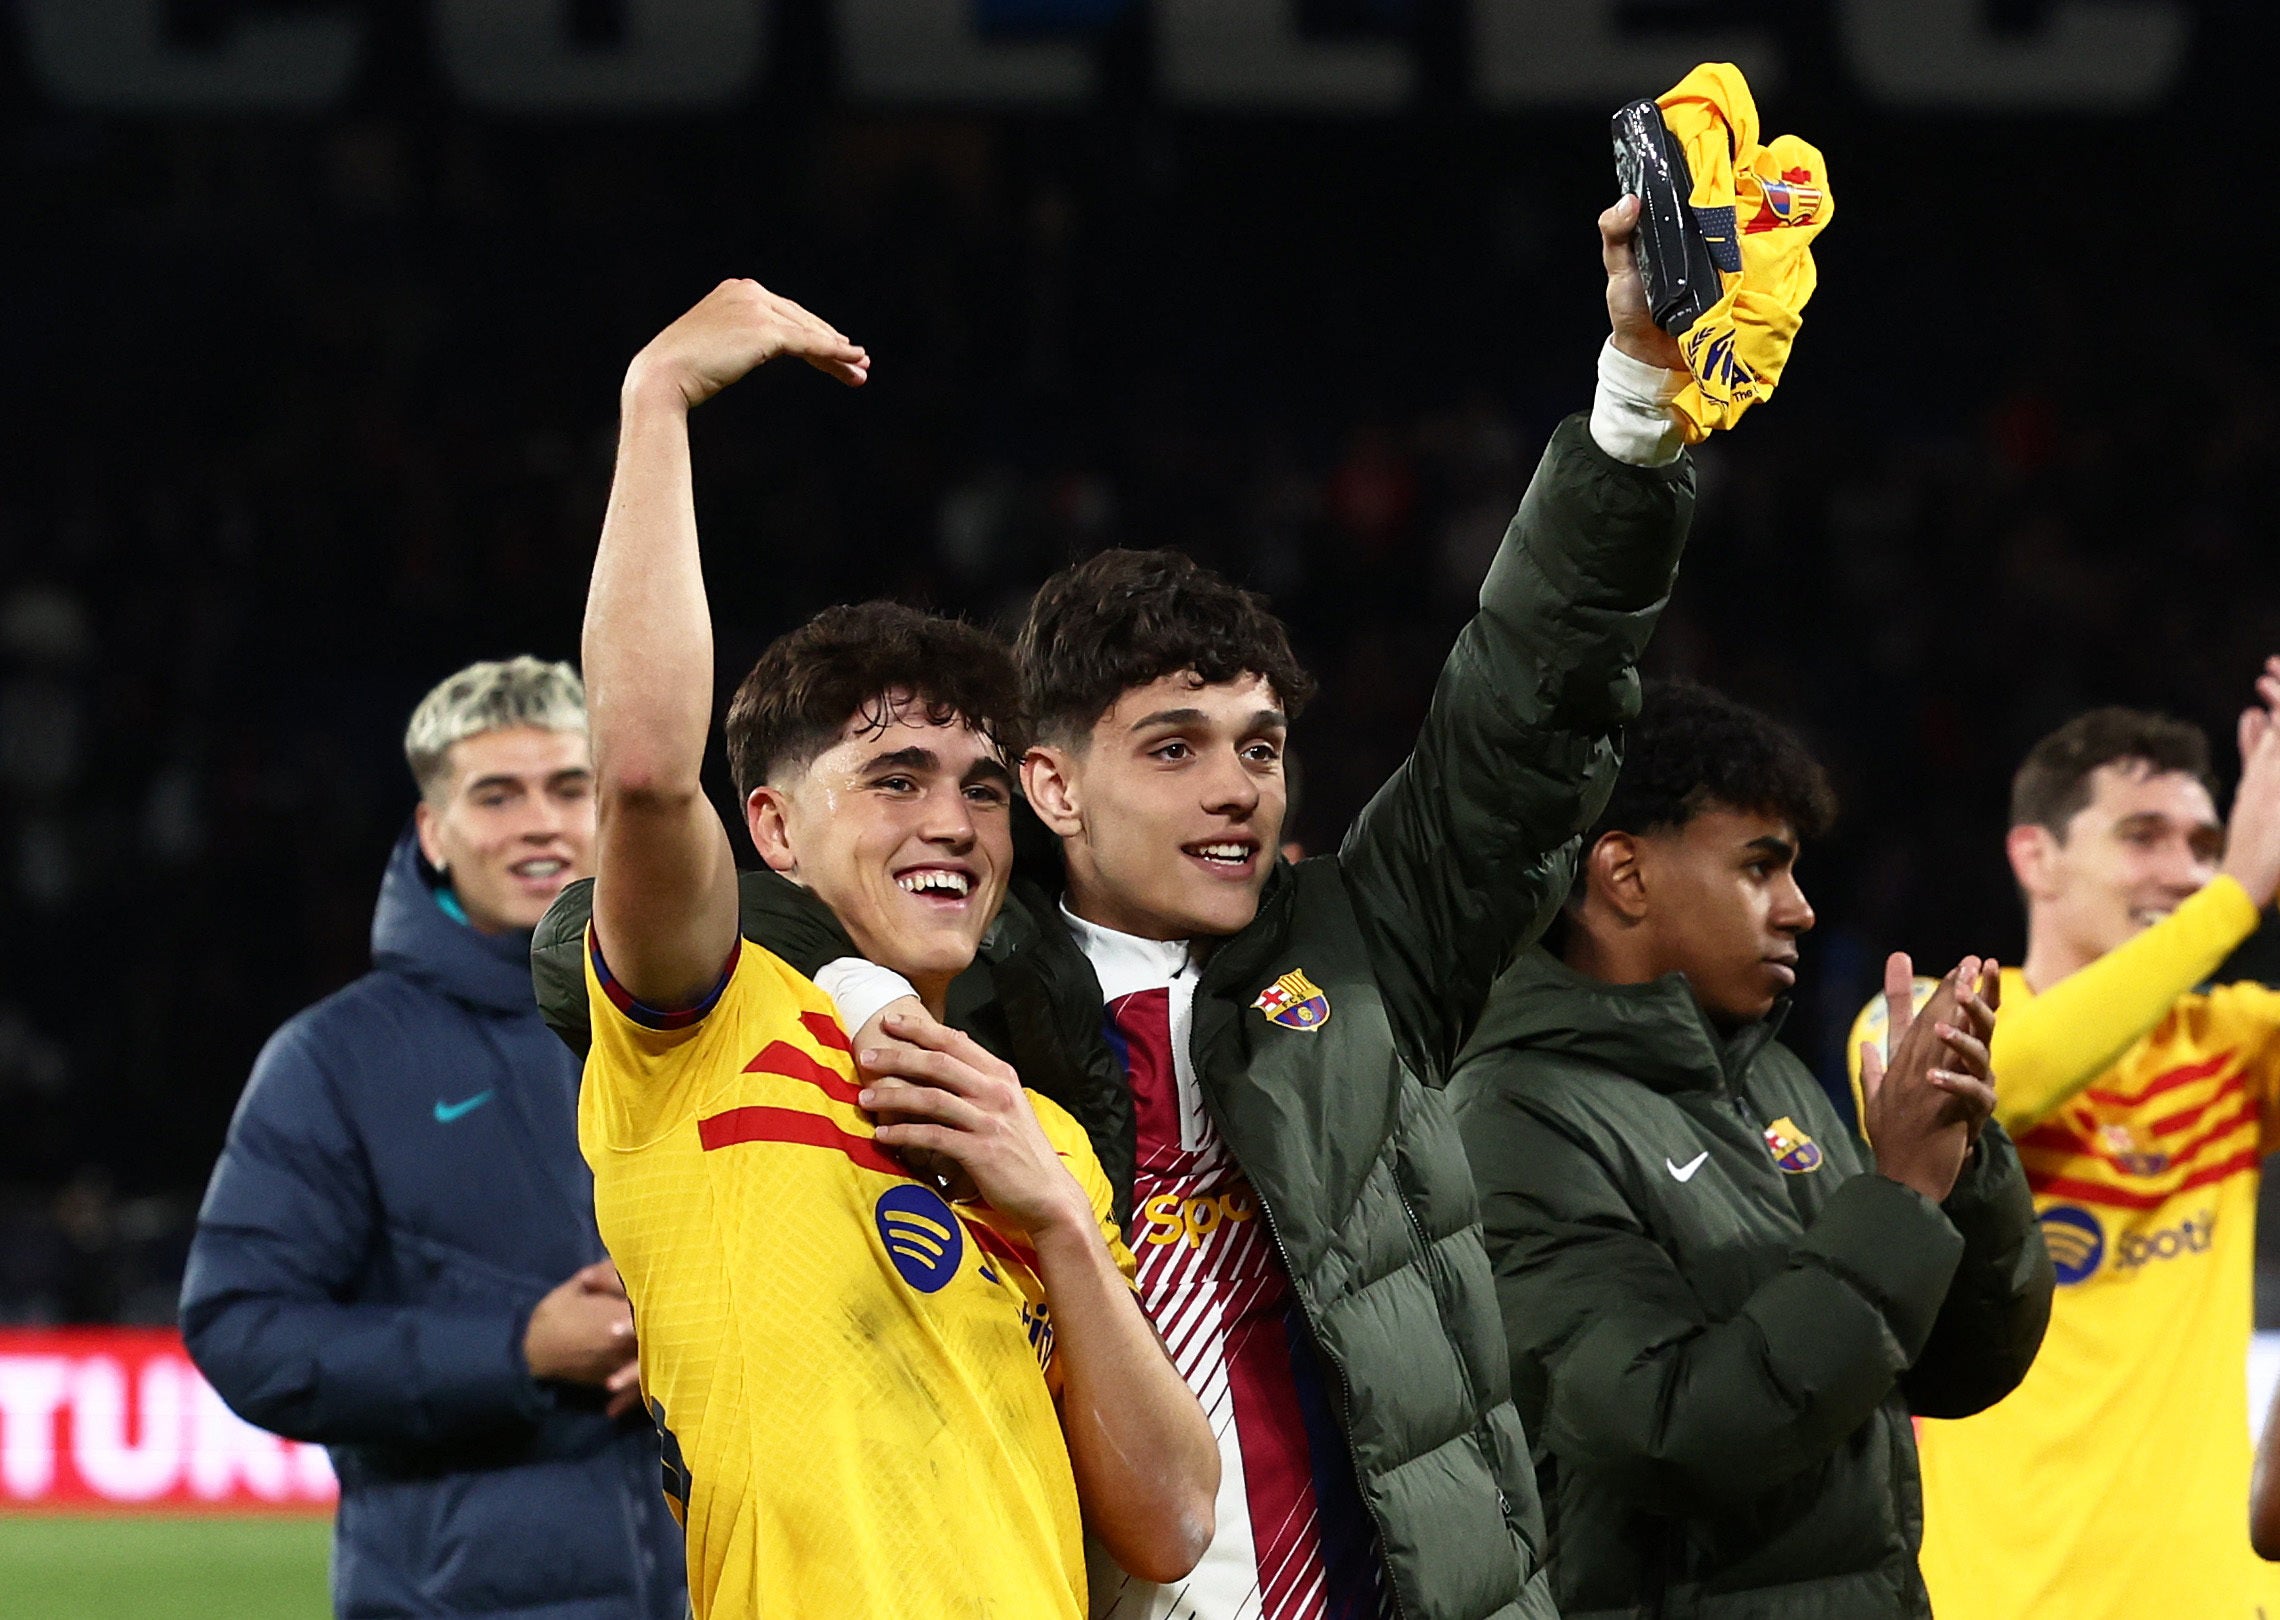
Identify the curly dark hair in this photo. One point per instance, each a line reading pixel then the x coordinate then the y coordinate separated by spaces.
pixel 2054 780
pixel 877 659
pixel 1694 749
pixel 1125 618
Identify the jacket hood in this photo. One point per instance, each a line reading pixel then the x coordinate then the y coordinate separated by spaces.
pixel 413 936
pixel 1655 1033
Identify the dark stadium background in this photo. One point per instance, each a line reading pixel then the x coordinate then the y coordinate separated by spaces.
pixel 304 411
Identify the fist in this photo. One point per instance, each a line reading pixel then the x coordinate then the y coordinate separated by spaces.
pixel 1629 321
pixel 738 326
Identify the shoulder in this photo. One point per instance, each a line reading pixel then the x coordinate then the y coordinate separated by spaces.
pixel 1519 1111
pixel 753 980
pixel 326 1056
pixel 334 1036
pixel 2245 1001
pixel 2244 1010
pixel 1548 1085
pixel 1067 1137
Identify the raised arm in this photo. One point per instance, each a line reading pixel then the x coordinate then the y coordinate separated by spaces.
pixel 665 878
pixel 2049 1048
pixel 1463 855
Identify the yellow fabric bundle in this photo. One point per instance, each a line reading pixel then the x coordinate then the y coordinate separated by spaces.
pixel 1760 207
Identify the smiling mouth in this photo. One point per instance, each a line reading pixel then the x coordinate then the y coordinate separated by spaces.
pixel 1232 857
pixel 937 885
pixel 542 869
pixel 2147 916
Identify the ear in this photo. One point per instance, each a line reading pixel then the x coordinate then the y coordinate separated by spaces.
pixel 1617 876
pixel 1049 782
pixel 2034 853
pixel 425 825
pixel 767 817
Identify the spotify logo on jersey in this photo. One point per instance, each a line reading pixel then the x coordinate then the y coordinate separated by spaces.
pixel 2075 1239
pixel 922 1235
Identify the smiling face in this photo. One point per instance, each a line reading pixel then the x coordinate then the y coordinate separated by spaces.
pixel 1717 900
pixel 1170 814
pixel 2145 842
pixel 905 831
pixel 511 822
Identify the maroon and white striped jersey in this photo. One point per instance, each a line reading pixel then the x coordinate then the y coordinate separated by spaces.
pixel 1293 1539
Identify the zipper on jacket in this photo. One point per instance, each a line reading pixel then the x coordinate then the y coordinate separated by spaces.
pixel 1314 1332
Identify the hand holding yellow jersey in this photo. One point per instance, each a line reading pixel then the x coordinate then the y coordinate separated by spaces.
pixel 1759 206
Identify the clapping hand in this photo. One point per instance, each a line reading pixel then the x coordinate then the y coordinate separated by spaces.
pixel 1926 1105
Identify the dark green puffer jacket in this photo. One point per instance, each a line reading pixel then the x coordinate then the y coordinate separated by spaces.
pixel 1341 1127
pixel 1717 1358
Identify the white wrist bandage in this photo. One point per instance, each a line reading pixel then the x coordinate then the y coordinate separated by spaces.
pixel 859 989
pixel 1631 416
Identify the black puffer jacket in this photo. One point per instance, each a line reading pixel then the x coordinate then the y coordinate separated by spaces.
pixel 1719 1335
pixel 1340 1123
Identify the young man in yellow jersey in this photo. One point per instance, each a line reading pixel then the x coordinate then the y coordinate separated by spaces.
pixel 2113 1484
pixel 845 1367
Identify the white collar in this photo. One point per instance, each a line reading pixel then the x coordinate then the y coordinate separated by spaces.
pixel 1126 962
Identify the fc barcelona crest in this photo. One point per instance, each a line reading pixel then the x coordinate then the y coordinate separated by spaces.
pixel 1295 1002
pixel 1791 1148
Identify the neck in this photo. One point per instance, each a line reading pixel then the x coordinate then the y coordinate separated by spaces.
pixel 1097 904
pixel 2051 958
pixel 1613 951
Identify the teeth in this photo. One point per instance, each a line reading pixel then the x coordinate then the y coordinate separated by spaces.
pixel 956 883
pixel 1224 852
pixel 539 868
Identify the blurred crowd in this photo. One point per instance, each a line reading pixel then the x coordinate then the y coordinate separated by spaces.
pixel 301 419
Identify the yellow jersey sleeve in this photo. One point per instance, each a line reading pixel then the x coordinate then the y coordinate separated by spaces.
pixel 2048 1047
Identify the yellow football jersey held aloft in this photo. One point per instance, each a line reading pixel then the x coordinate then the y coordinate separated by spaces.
pixel 2113 1483
pixel 1759 207
pixel 851 1375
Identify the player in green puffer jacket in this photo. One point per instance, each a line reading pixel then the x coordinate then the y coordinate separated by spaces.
pixel 1724 1306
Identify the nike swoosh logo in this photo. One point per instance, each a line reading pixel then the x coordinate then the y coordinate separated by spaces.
pixel 1679 1172
pixel 445 1112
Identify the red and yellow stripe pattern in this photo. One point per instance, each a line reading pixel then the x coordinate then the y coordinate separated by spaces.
pixel 2137 1143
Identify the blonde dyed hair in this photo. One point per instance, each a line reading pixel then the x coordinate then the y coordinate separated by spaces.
pixel 494 695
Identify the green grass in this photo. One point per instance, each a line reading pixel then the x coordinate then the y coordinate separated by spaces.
pixel 187 1568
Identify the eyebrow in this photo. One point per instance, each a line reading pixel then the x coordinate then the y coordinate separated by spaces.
pixel 2160 818
pixel 925 759
pixel 1264 720
pixel 904 759
pixel 1780 849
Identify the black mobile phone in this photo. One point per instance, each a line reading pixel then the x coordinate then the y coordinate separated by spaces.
pixel 1681 248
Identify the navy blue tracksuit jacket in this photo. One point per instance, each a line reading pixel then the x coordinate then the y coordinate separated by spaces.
pixel 401 1185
